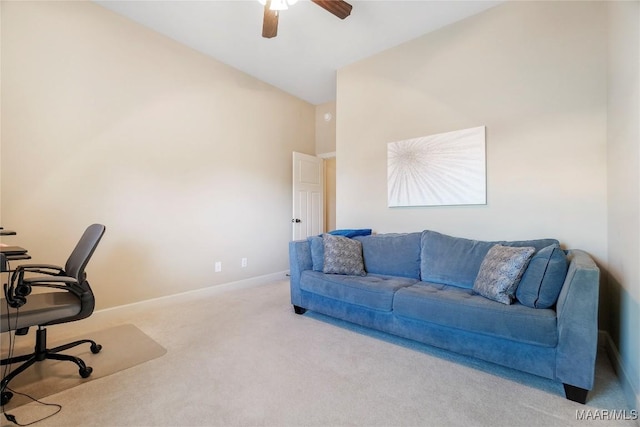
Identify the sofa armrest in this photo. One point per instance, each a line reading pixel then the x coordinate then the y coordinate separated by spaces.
pixel 577 311
pixel 299 260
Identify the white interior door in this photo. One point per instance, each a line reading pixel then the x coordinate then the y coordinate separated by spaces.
pixel 308 195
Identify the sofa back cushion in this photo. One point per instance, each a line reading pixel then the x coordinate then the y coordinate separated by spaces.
pixel 451 260
pixel 456 261
pixel 543 278
pixel 392 254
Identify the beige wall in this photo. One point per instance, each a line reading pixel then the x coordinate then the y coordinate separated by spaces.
pixel 623 154
pixel 330 193
pixel 106 121
pixel 325 148
pixel 533 73
pixel 326 129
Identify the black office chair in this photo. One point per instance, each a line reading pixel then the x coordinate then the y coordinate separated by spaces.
pixel 71 300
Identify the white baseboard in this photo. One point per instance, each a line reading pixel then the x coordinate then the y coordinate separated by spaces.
pixel 211 290
pixel 632 395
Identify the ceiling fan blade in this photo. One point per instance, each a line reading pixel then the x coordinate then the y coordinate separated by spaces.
pixel 269 22
pixel 339 8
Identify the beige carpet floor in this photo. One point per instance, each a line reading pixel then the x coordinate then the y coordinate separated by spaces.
pixel 241 357
pixel 51 376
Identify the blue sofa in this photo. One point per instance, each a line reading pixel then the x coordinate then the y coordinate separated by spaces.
pixel 421 286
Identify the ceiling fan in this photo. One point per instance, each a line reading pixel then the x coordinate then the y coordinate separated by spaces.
pixel 272 9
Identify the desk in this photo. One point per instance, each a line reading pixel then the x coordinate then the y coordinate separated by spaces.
pixel 4 260
pixel 6 257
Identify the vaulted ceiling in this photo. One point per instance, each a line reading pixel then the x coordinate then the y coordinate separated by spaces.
pixel 311 45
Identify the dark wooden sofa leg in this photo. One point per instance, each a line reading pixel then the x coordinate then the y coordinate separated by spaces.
pixel 576 394
pixel 299 310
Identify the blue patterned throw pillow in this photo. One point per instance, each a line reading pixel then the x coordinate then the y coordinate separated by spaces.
pixel 342 256
pixel 500 272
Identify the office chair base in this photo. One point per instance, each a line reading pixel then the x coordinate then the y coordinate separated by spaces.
pixel 42 353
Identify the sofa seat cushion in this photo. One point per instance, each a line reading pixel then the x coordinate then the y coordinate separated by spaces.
pixel 371 291
pixel 461 308
pixel 456 261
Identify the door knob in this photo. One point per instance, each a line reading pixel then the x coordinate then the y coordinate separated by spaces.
pixel 296 220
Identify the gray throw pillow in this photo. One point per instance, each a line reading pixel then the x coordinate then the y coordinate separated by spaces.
pixel 500 272
pixel 342 256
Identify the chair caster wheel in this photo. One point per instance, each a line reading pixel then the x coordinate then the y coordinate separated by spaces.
pixel 6 397
pixel 84 373
pixel 95 349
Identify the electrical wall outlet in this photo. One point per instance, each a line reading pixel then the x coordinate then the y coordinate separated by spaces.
pixel 243 262
pixel 218 266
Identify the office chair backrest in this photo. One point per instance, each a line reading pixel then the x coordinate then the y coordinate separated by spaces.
pixel 83 251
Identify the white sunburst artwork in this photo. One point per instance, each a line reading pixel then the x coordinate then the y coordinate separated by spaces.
pixel 438 170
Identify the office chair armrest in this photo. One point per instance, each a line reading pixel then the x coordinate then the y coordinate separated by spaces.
pixel 65 283
pixel 22 286
pixel 34 281
pixel 49 269
pixel 17 277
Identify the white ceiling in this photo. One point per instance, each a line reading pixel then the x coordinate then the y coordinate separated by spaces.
pixel 311 43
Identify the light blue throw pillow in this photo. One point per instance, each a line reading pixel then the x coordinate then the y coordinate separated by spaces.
pixel 542 281
pixel 500 272
pixel 317 252
pixel 351 232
